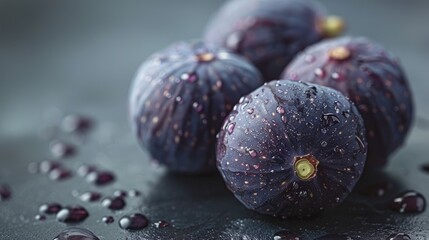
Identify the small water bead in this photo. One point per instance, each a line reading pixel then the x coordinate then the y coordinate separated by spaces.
pixel 230 128
pixel 116 203
pixel 409 202
pixel 161 224
pixel 198 107
pixel 72 214
pixel 135 221
pixel 319 73
pixel 60 174
pixel 62 150
pixel 252 153
pixel 76 234
pixel 47 166
pixel 90 196
pixel 398 236
pixel 286 235
pixel 50 208
pixel 250 111
pixel 108 219
pixel 190 77
pixel 280 110
pixel 5 193
pixel 134 193
pixel 310 58
pixel 77 124
pixel 324 143
pixel 84 170
pixel 330 119
pixel 40 217
pixel 120 193
pixel 100 178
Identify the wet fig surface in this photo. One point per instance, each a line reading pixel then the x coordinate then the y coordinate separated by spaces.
pixel 179 99
pixel 292 149
pixel 270 32
pixel 372 78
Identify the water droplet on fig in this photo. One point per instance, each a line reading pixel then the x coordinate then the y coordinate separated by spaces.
pixel 161 224
pixel 285 235
pixel 329 119
pixel 319 73
pixel 409 202
pixel 324 143
pixel 72 214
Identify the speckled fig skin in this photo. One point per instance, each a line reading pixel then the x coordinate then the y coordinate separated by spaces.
pixel 267 32
pixel 279 123
pixel 374 81
pixel 179 99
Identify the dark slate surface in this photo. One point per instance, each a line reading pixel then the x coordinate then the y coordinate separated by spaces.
pixel 60 57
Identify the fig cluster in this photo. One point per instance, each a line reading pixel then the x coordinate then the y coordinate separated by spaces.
pixel 289 119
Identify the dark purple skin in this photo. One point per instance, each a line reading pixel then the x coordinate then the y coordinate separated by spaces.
pixel 179 99
pixel 272 128
pixel 373 79
pixel 268 33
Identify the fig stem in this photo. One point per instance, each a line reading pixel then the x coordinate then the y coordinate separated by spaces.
pixel 332 26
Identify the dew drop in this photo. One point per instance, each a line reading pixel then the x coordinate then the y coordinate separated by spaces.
pixel 90 196
pixel 230 128
pixel 133 222
pixel 161 224
pixel 280 110
pixel 76 234
pixel 72 214
pixel 319 73
pixel 116 203
pixel 285 235
pixel 5 193
pixel 108 219
pixel 50 208
pixel 409 202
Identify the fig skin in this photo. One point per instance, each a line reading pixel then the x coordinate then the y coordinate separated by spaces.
pixel 372 78
pixel 270 32
pixel 179 99
pixel 280 123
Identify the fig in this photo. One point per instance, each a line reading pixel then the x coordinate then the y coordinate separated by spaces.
pixel 270 32
pixel 292 149
pixel 179 99
pixel 372 78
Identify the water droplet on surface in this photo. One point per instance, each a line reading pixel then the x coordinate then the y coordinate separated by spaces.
pixel 310 58
pixel 280 110
pixel 84 170
pixel 5 193
pixel 346 114
pixel 398 236
pixel 76 234
pixel 108 219
pixel 47 166
pixel 90 196
pixel 329 119
pixel 77 124
pixel 408 202
pixel 134 193
pixel 250 110
pixel 100 178
pixel 324 143
pixel 50 208
pixel 72 214
pixel 40 217
pixel 252 153
pixel 286 235
pixel 198 107
pixel 335 237
pixel 319 73
pixel 116 203
pixel 191 77
pixel 62 150
pixel 425 167
pixel 161 224
pixel 133 222
pixel 120 193
pixel 60 174
pixel 230 128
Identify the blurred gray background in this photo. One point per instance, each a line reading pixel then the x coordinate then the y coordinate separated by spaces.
pixel 60 57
